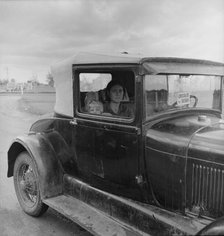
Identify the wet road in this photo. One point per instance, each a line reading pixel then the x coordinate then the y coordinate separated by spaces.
pixel 13 221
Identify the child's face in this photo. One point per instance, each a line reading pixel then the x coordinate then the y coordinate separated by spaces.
pixel 95 108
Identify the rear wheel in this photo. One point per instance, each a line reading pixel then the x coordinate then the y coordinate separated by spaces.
pixel 26 184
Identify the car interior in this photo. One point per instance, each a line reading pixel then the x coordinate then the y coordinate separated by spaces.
pixel 92 101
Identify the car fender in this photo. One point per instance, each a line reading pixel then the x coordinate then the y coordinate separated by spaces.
pixel 50 171
pixel 214 228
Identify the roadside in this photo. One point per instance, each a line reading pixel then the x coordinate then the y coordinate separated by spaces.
pixel 13 221
pixel 37 103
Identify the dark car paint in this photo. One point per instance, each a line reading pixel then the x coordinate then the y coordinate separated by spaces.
pixel 156 159
pixel 178 150
pixel 73 145
pixel 205 172
pixel 88 150
pixel 48 166
pixel 79 149
pixel 215 228
pixel 109 149
pixel 165 164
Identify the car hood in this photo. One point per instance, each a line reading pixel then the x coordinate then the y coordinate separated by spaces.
pixel 188 136
pixel 208 143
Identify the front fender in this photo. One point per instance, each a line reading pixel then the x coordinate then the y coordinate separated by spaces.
pixel 41 151
pixel 214 228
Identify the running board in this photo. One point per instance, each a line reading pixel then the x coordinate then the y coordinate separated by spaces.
pixel 90 218
pixel 144 217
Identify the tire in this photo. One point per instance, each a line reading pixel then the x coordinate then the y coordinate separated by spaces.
pixel 26 184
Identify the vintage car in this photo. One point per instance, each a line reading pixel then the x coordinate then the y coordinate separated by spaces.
pixel 141 156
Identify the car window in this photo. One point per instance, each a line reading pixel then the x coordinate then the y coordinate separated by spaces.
pixel 107 94
pixel 166 92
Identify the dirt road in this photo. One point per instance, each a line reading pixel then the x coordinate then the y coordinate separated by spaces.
pixel 13 221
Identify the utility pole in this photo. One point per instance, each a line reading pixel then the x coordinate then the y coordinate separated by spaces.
pixel 21 88
pixel 7 73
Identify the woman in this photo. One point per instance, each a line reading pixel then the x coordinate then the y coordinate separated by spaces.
pixel 116 93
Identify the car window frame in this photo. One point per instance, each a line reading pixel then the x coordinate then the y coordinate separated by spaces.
pixel 101 69
pixel 145 118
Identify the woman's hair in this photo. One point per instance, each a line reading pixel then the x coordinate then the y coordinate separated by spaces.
pixel 110 85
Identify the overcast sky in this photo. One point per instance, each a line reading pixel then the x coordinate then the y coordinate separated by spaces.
pixel 36 34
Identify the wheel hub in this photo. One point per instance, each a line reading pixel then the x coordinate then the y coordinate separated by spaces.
pixel 28 183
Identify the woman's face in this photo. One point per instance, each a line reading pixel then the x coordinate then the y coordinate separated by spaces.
pixel 116 93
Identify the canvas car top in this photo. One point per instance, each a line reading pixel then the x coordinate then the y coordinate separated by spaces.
pixel 63 77
pixel 125 58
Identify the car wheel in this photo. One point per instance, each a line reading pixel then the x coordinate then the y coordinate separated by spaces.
pixel 26 184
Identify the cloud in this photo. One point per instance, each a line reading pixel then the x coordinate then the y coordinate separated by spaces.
pixel 35 34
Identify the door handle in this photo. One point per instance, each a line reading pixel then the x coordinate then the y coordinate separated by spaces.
pixel 105 128
pixel 73 122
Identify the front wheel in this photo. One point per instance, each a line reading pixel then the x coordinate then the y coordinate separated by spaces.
pixel 27 185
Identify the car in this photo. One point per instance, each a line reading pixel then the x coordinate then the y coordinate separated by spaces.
pixel 135 146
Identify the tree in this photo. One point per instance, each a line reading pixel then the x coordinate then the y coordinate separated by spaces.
pixel 4 82
pixel 34 80
pixel 50 79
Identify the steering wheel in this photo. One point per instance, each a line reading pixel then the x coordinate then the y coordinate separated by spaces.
pixel 191 97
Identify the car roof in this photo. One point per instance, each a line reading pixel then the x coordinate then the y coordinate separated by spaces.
pixel 124 57
pixel 63 77
pixel 96 58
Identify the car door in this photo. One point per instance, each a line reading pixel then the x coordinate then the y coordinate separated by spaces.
pixel 106 145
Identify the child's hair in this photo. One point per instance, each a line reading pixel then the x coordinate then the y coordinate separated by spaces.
pixel 95 107
pixel 92 103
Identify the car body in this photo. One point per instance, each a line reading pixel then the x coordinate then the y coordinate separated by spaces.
pixel 158 171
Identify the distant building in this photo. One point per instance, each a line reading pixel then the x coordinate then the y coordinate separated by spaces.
pixel 11 86
pixel 29 87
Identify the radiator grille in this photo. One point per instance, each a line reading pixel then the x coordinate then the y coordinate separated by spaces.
pixel 207 188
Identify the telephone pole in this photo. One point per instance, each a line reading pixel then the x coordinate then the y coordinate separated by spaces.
pixel 7 73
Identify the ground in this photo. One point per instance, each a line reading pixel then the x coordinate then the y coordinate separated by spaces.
pixel 15 119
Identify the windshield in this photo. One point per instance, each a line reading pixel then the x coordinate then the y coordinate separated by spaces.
pixel 166 92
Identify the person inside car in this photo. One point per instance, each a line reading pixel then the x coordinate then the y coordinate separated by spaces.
pixel 117 100
pixel 92 103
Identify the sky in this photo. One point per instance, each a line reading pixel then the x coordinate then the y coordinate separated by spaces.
pixel 35 34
